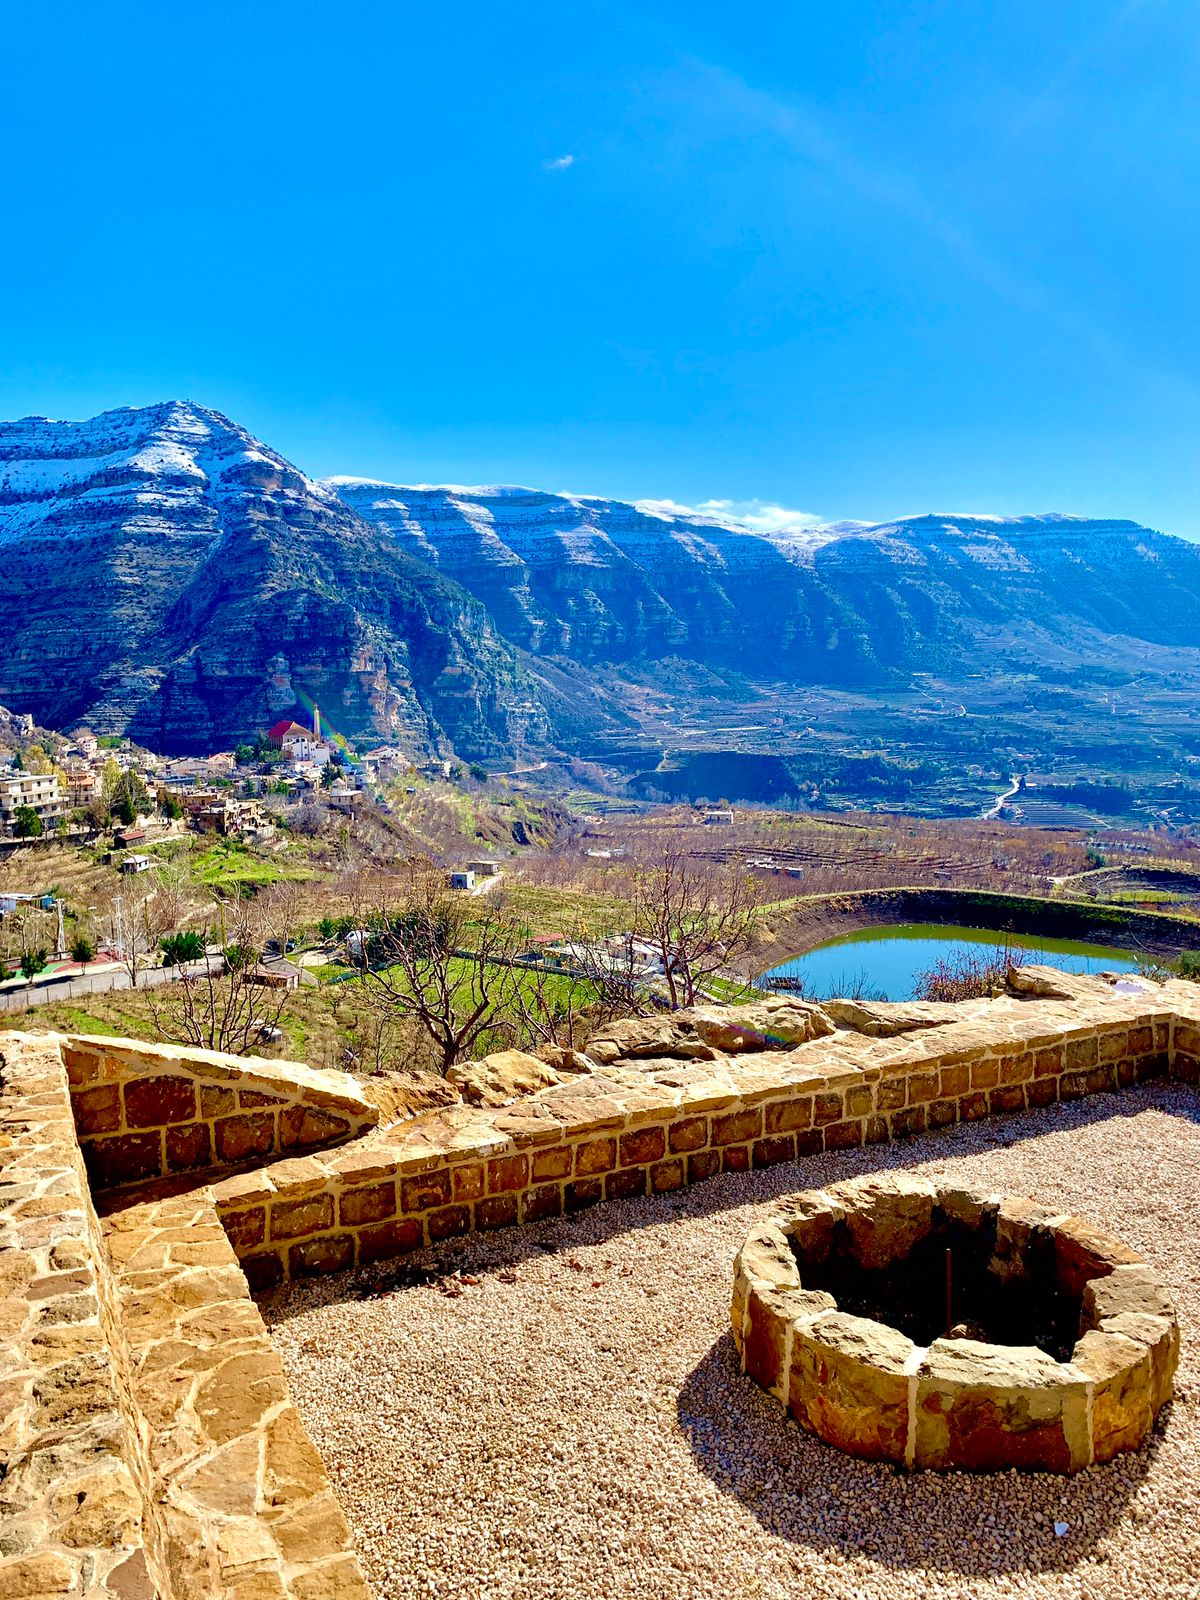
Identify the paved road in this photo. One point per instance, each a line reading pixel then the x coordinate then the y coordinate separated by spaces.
pixel 77 986
pixel 992 814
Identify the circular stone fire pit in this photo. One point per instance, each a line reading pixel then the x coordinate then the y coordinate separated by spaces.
pixel 939 1327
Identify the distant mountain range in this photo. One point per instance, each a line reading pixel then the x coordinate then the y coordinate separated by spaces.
pixel 168 575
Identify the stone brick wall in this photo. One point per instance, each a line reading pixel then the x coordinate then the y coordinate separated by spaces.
pixel 246 1502
pixel 640 1132
pixel 1185 1064
pixel 76 1512
pixel 150 1447
pixel 146 1111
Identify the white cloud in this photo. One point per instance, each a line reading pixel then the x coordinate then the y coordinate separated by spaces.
pixel 764 516
pixel 558 163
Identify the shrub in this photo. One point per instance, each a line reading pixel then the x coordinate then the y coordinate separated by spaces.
pixel 178 948
pixel 33 962
pixel 967 976
pixel 83 949
pixel 27 824
pixel 239 957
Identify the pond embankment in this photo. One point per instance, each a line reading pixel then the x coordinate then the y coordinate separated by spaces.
pixel 794 927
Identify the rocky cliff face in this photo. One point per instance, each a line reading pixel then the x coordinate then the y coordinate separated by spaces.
pixel 849 603
pixel 169 576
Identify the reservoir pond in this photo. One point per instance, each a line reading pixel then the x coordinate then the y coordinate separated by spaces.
pixel 886 964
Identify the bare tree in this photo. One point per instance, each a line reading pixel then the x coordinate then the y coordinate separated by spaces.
pixel 225 1005
pixel 445 961
pixel 694 918
pixel 548 1007
pixel 134 933
pixel 175 894
pixel 619 980
pixel 279 908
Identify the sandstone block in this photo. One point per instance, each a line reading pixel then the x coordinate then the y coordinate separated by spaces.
pixel 388 1239
pixel 849 1386
pixel 241 1138
pixel 987 1407
pixel 123 1158
pixel 100 1508
pixel 331 1252
pixel 29 1577
pixel 1127 1287
pixel 367 1203
pixel 502 1077
pixel 553 1163
pixel 737 1127
pixel 843 1135
pixel 666 1176
pixel 424 1191
pixel 641 1146
pixel 689 1134
pixel 302 1126
pixel 97 1110
pixel 778 1023
pixel 508 1173
pixel 153 1102
pixel 625 1184
pixel 499 1211
pixel 188 1147
pixel 886 1215
pixel 542 1202
pixel 1082 1252
pixel 294 1219
pixel 786 1116
pixel 216 1102
pixel 449 1222
pixel 595 1155
pixel 1121 1373
pixel 770 1152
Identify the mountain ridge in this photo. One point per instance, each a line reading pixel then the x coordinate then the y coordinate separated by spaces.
pixel 172 576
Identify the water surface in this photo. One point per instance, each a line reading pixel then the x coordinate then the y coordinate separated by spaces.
pixel 884 964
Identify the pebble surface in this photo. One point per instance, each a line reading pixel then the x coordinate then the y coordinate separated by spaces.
pixel 556 1411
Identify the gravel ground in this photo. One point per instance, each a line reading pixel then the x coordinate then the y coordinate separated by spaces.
pixel 557 1411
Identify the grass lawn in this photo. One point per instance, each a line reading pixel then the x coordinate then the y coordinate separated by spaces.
pixel 226 864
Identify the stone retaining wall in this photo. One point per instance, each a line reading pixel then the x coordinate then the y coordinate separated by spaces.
pixel 152 1448
pixel 1185 1050
pixel 153 1111
pixel 76 1512
pixel 149 1445
pixel 801 924
pixel 634 1131
pixel 245 1501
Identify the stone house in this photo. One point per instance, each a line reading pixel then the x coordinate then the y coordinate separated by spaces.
pixel 40 791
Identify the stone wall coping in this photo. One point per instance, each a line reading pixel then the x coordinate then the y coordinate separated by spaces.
pixel 318 1086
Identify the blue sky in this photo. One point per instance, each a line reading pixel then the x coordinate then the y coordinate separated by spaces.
pixel 851 260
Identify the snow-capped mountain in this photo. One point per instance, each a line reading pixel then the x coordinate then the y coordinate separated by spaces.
pixel 168 574
pixel 605 580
